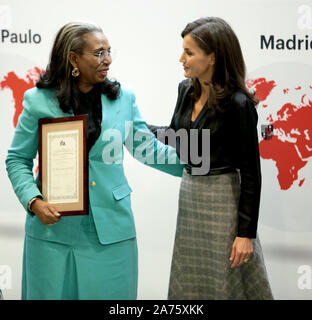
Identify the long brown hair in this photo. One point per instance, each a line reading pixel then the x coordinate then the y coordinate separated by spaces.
pixel 213 34
pixel 58 73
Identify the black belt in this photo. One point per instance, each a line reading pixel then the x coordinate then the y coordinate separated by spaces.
pixel 213 171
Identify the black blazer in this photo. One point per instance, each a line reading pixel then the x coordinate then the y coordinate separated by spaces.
pixel 233 142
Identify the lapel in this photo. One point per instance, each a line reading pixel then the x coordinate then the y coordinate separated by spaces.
pixel 54 107
pixel 110 112
pixel 184 114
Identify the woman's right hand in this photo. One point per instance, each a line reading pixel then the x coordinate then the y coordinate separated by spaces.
pixel 45 212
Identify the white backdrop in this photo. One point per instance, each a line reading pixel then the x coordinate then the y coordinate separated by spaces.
pixel 146 35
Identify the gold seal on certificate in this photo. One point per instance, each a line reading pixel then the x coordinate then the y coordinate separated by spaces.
pixel 63 169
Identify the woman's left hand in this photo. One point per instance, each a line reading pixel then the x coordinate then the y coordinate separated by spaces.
pixel 241 250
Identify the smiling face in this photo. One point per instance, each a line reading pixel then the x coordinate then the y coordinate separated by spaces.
pixel 92 68
pixel 196 63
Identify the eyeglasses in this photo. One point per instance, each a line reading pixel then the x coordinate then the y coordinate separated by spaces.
pixel 101 55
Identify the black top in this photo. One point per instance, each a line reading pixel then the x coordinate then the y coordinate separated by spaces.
pixel 90 104
pixel 233 143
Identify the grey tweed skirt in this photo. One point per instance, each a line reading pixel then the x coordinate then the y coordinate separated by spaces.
pixel 205 232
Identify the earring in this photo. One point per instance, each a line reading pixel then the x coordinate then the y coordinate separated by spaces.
pixel 75 72
pixel 211 63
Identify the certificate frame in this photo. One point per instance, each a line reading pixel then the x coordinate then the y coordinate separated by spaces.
pixel 63 164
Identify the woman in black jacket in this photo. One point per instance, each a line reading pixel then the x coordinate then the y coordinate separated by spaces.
pixel 217 254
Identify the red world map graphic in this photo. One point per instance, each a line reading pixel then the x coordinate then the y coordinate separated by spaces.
pixel 290 147
pixel 18 86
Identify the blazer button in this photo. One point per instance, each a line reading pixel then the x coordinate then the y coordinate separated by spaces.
pixel 93 184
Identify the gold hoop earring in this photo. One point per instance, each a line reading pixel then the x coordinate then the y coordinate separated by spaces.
pixel 75 72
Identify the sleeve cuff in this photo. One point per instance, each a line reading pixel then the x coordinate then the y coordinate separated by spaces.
pixel 30 203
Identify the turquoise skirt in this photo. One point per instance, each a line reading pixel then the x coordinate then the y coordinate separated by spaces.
pixel 86 270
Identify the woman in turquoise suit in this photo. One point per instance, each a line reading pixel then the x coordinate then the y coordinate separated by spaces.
pixel 92 256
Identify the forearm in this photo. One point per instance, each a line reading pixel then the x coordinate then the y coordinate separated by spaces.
pixel 23 149
pixel 250 171
pixel 21 176
pixel 150 151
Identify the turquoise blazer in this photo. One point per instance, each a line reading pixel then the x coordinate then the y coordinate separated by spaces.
pixel 109 199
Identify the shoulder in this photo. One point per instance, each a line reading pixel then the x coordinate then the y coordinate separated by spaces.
pixel 126 93
pixel 39 101
pixel 244 107
pixel 240 99
pixel 40 92
pixel 184 85
pixel 36 93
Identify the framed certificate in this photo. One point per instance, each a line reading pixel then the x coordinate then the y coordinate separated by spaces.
pixel 63 167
